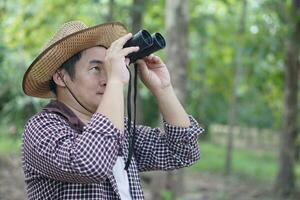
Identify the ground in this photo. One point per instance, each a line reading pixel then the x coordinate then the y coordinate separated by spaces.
pixel 198 185
pixel 11 179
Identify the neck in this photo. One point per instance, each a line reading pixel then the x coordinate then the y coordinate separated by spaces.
pixel 85 117
pixel 77 109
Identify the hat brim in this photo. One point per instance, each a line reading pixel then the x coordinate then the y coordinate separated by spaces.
pixel 36 78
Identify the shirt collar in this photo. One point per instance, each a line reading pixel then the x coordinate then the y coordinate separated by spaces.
pixel 61 109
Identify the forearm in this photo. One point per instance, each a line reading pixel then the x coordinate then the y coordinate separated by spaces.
pixel 170 107
pixel 112 104
pixel 174 149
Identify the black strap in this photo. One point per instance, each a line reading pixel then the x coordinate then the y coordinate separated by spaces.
pixel 131 134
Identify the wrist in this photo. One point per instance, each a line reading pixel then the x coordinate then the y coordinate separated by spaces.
pixel 115 82
pixel 164 93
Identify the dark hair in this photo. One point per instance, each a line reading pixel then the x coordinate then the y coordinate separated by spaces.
pixel 69 66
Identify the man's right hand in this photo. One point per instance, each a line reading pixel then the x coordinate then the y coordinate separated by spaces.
pixel 115 62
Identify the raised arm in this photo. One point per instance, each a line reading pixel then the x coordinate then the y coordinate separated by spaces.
pixel 176 146
pixel 156 77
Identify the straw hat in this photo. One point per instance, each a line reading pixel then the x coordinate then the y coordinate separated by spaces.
pixel 71 38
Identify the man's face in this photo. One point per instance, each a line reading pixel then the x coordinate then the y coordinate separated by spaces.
pixel 90 78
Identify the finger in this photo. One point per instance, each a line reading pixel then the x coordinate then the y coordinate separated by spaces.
pixel 129 50
pixel 141 62
pixel 153 59
pixel 150 57
pixel 157 59
pixel 154 62
pixel 127 61
pixel 122 40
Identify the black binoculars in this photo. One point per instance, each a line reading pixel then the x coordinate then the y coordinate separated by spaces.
pixel 147 44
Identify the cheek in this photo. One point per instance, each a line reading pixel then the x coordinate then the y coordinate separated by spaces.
pixel 91 84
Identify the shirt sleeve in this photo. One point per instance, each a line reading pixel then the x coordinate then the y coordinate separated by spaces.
pixel 172 148
pixel 53 149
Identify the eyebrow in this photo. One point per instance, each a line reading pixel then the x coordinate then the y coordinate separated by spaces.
pixel 96 62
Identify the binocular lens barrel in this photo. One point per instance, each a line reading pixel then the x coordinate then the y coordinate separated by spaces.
pixel 142 39
pixel 160 40
pixel 148 44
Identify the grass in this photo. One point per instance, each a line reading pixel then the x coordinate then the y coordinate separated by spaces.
pixel 9 144
pixel 251 164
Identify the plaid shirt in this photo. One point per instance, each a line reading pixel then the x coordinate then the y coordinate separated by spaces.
pixel 64 159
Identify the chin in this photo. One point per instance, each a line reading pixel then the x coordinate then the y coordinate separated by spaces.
pixel 96 103
pixel 94 108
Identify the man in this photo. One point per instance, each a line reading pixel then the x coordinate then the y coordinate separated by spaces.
pixel 75 148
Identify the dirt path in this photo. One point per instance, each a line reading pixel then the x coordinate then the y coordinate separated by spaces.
pixel 12 185
pixel 209 186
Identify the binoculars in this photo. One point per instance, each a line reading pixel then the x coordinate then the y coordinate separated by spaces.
pixel 147 44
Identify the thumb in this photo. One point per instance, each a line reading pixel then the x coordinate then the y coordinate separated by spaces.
pixel 127 61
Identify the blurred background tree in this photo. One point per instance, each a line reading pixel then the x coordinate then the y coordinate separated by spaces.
pixel 286 178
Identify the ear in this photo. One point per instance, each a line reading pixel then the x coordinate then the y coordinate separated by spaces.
pixel 57 78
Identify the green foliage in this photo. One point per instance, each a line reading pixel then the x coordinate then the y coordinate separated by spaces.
pixel 10 142
pixel 213 38
pixel 247 163
pixel 166 195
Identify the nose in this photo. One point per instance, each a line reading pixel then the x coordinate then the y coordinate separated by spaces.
pixel 103 79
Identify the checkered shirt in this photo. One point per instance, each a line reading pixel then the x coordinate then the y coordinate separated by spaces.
pixel 64 159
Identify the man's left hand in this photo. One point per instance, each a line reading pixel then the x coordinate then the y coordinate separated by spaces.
pixel 154 73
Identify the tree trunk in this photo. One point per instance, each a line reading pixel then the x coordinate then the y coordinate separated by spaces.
pixel 233 99
pixel 285 180
pixel 110 14
pixel 177 34
pixel 138 8
pixel 177 47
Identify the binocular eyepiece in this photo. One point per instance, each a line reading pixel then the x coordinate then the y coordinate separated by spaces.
pixel 147 44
